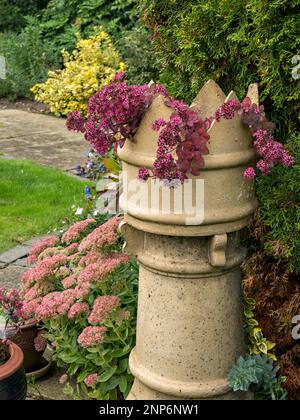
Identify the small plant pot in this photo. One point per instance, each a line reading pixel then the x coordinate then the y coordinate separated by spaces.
pixel 24 337
pixel 13 382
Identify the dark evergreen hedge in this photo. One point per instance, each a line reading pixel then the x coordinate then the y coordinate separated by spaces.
pixel 237 42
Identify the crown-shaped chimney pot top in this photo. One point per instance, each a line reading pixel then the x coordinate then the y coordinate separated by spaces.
pixel 253 93
pixel 209 99
pixel 226 136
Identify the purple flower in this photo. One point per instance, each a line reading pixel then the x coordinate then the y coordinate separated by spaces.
pixel 143 174
pixel 119 76
pixel 264 167
pixel 249 173
pixel 75 121
pixel 157 124
pixel 115 113
pixel 227 110
pixel 287 159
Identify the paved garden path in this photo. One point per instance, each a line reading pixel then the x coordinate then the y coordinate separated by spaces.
pixel 13 263
pixel 41 138
pixel 45 140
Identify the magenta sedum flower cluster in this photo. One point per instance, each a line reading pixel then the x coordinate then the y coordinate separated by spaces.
pixel 116 111
pixel 11 306
pixel 185 133
pixel 271 151
pixel 114 117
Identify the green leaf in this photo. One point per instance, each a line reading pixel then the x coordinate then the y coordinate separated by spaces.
pixel 81 377
pixel 123 383
pixel 112 165
pixel 67 358
pixel 112 383
pixel 252 323
pixel 120 352
pixel 105 376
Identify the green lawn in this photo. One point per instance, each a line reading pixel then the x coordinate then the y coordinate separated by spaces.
pixel 34 200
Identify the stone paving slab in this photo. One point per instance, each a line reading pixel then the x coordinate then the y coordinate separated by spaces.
pixel 14 254
pixel 22 262
pixel 41 138
pixel 13 263
pixel 33 241
pixel 48 387
pixel 17 254
pixel 10 276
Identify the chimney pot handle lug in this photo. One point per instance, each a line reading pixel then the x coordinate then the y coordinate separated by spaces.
pixel 217 250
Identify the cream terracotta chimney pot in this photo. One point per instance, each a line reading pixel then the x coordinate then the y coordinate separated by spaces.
pixel 190 326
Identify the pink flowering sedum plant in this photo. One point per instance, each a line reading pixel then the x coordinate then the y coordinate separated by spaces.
pixel 115 112
pixel 84 292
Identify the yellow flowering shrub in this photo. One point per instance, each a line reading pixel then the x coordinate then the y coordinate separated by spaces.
pixel 90 67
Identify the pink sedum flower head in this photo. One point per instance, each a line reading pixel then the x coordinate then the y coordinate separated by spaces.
pixel 158 124
pixel 98 271
pixel 78 309
pixel 43 274
pixel 228 110
pixel 40 342
pixel 287 160
pixel 55 304
pixel 31 294
pixel 103 306
pixel 82 290
pixel 72 249
pixel 69 282
pixel 91 380
pixel 63 379
pixel 119 76
pixel 91 336
pixel 31 307
pixel 104 235
pixel 90 258
pixel 263 167
pixel 36 249
pixel 74 232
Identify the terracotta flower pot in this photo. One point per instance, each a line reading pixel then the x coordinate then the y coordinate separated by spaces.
pixel 24 337
pixel 13 383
